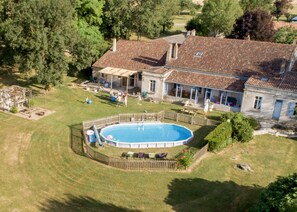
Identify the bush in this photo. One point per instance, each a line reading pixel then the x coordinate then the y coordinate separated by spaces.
pixel 14 109
pixel 185 159
pixel 254 123
pixel 242 130
pixel 220 137
pixel 227 116
pixel 280 195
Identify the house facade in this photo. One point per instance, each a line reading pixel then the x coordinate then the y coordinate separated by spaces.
pixel 256 78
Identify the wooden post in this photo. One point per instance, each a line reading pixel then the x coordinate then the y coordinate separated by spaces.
pixel 192 120
pixel 176 117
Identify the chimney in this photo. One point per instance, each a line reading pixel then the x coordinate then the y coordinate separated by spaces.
pixel 175 51
pixel 188 33
pixel 193 32
pixel 169 53
pixel 114 45
pixel 248 37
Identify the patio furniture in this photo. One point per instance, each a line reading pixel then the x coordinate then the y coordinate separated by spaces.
pixel 124 155
pixel 141 155
pixel 130 154
pixel 162 155
pixel 152 155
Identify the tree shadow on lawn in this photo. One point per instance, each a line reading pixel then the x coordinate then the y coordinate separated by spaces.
pixel 198 194
pixel 199 136
pixel 79 203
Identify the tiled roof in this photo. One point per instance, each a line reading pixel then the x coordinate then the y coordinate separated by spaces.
pixel 286 82
pixel 135 55
pixel 205 80
pixel 157 70
pixel 232 56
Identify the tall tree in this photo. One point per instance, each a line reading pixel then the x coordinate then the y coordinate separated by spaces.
pixel 218 16
pixel 280 195
pixel 37 32
pixel 196 23
pixel 281 7
pixel 167 8
pixel 286 34
pixel 90 42
pixel 256 4
pixel 254 25
pixel 117 19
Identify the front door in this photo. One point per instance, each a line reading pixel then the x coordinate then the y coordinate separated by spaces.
pixel 277 109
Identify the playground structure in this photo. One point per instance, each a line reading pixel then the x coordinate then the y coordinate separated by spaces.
pixel 14 96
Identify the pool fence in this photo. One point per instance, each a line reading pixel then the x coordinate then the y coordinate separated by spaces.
pixel 82 144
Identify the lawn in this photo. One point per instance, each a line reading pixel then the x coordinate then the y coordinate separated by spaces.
pixel 39 171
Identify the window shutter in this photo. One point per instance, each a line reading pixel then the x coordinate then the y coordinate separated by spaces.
pixel 291 109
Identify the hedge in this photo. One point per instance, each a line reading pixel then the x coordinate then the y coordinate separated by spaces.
pixel 220 137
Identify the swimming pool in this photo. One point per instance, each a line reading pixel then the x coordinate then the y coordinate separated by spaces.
pixel 146 135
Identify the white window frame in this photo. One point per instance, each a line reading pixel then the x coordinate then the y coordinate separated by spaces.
pixel 152 87
pixel 258 102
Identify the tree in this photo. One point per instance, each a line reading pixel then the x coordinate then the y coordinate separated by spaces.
pixel 37 33
pixel 168 8
pixel 196 23
pixel 218 16
pixel 286 34
pixel 280 195
pixel 281 8
pixel 117 19
pixel 187 5
pixel 248 5
pixel 89 44
pixel 254 25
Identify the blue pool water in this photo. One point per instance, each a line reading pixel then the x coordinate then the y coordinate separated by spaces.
pixel 146 133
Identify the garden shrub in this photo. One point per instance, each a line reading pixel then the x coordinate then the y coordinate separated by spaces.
pixel 220 137
pixel 185 159
pixel 14 109
pixel 280 195
pixel 254 123
pixel 242 130
pixel 227 116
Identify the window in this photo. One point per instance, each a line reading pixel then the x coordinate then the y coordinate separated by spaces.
pixel 139 76
pixel 199 54
pixel 152 85
pixel 292 110
pixel 258 101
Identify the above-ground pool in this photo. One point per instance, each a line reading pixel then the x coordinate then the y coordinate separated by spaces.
pixel 146 135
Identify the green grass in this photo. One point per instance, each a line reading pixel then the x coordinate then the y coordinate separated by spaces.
pixel 180 22
pixel 39 171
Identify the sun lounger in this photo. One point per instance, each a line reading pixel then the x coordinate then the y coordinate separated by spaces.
pixel 141 155
pixel 130 154
pixel 151 155
pixel 162 155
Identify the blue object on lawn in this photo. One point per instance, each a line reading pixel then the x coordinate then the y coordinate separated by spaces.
pixel 113 98
pixel 89 102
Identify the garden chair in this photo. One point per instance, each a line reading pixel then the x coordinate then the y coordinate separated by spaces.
pixel 152 155
pixel 141 155
pixel 162 155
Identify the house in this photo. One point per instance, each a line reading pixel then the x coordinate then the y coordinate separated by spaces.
pixel 256 78
pixel 122 65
